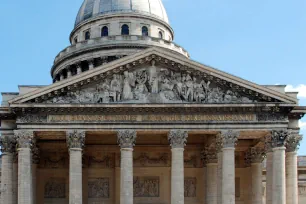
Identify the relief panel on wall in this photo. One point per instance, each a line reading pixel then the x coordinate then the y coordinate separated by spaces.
pixel 148 160
pixel 98 188
pixel 302 190
pixel 146 187
pixel 190 187
pixel 101 161
pixel 55 188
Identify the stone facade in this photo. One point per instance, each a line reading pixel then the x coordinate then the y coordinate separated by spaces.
pixel 130 119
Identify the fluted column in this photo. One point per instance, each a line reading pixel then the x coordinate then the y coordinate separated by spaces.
pixel 210 160
pixel 25 186
pixel 256 156
pixel 7 143
pixel 35 162
pixel 278 139
pixel 293 141
pixel 75 142
pixel 126 141
pixel 227 140
pixel 177 140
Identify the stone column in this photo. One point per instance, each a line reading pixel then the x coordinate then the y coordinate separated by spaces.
pixel 75 142
pixel 269 169
pixel 62 77
pixel 35 162
pixel 69 74
pixel 219 173
pixel 227 140
pixel 79 68
pixel 91 64
pixel 256 156
pixel 7 143
pixel 210 160
pixel 292 143
pixel 177 140
pixel 279 178
pixel 25 188
pixel 126 141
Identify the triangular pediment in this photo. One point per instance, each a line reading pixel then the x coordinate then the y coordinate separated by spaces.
pixel 154 76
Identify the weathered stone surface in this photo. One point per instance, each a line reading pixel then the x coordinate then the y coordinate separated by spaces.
pixel 209 155
pixel 278 138
pixel 8 143
pixel 293 142
pixel 126 138
pixel 75 139
pixel 227 138
pixel 177 138
pixel 24 138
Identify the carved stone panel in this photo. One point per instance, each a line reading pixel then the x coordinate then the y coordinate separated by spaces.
pixel 101 161
pixel 53 161
pixel 98 188
pixel 302 190
pixel 190 187
pixel 146 187
pixel 55 188
pixel 147 160
pixel 153 84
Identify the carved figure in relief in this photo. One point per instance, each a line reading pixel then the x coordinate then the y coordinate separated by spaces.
pixel 190 187
pixel 128 83
pixel 154 85
pixel 146 187
pixel 98 188
pixel 54 189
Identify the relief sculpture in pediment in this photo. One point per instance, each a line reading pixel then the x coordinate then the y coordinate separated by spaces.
pixel 154 85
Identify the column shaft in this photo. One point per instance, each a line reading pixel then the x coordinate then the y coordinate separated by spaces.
pixel 256 183
pixel 269 177
pixel 291 178
pixel 177 176
pixel 75 176
pixel 211 183
pixel 34 169
pixel 219 182
pixel 279 182
pixel 25 194
pixel 126 182
pixel 7 196
pixel 228 175
pixel 15 183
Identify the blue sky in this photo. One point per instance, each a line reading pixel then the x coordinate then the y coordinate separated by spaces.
pixel 261 41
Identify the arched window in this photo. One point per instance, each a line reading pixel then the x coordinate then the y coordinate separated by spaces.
pixel 145 31
pixel 125 30
pixel 104 31
pixel 76 40
pixel 87 35
pixel 160 35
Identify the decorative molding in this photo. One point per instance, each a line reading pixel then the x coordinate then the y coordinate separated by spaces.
pixel 35 153
pixel 55 188
pixel 190 187
pixel 227 138
pixel 147 187
pixel 7 143
pixel 192 161
pixel 293 142
pixel 209 155
pixel 105 162
pixel 177 138
pixel 254 155
pixel 54 162
pixel 268 116
pixel 75 139
pixel 145 160
pixel 278 138
pixel 157 85
pixel 98 188
pixel 126 138
pixel 28 118
pixel 24 138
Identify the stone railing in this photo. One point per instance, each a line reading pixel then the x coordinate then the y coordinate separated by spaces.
pixel 119 40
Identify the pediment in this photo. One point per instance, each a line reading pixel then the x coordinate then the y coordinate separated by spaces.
pixel 154 76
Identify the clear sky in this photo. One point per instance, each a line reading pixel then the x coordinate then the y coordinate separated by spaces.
pixel 261 41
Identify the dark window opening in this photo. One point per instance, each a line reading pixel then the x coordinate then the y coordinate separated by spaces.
pixel 125 30
pixel 87 35
pixel 76 40
pixel 145 31
pixel 160 34
pixel 104 31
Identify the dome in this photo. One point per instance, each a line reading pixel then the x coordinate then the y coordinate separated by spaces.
pixel 93 8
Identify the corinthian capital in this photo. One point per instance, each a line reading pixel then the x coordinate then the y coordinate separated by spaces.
pixel 7 143
pixel 293 142
pixel 126 138
pixel 227 138
pixel 75 139
pixel 24 138
pixel 278 138
pixel 209 155
pixel 255 155
pixel 177 138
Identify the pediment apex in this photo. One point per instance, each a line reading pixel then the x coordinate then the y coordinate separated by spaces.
pixel 164 58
